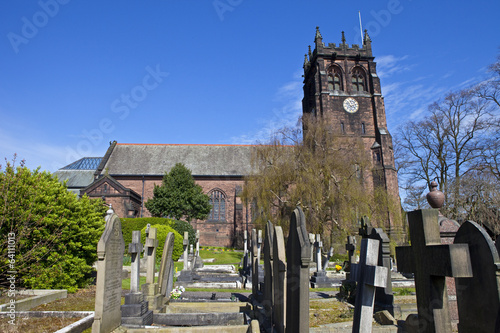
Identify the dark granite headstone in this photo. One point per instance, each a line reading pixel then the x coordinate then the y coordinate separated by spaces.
pixel 478 297
pixel 298 256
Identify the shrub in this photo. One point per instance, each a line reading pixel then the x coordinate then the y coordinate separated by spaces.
pixel 161 234
pixel 181 227
pixel 54 233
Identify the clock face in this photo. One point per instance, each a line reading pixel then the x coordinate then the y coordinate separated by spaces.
pixel 350 105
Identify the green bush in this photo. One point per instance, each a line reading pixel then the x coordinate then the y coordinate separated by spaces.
pixel 53 233
pixel 161 234
pixel 181 227
pixel 131 224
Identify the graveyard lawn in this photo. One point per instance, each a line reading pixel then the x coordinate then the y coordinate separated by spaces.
pixel 328 311
pixel 222 257
pixel 35 325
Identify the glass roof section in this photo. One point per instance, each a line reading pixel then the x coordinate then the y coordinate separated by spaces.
pixel 85 163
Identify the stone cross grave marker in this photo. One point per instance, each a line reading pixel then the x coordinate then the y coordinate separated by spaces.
pixel 197 261
pixel 351 251
pixel 431 262
pixel 135 249
pixel 478 297
pixel 135 311
pixel 384 298
pixel 185 243
pixel 166 275
pixel 268 268
pixel 109 276
pixel 150 288
pixel 298 256
pixel 279 280
pixel 368 276
pixel 197 237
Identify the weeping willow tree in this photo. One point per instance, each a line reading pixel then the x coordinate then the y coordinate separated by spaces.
pixel 321 172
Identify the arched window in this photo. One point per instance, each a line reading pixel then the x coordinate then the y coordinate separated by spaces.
pixel 218 202
pixel 334 79
pixel 363 128
pixel 342 127
pixel 358 80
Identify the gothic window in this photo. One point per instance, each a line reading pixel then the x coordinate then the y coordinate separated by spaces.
pixel 334 79
pixel 358 80
pixel 342 127
pixel 218 203
pixel 363 128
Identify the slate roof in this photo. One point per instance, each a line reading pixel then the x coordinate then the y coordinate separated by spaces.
pixel 85 163
pixel 156 159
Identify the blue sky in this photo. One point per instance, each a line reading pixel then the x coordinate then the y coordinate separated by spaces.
pixel 76 75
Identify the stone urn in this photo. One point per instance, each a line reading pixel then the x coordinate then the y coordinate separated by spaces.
pixel 435 197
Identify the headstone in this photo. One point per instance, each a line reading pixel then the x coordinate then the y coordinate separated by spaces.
pixel 166 275
pixel 197 237
pixel 150 289
pixel 327 259
pixel 479 297
pixel 197 261
pixel 255 265
pixel 368 276
pixel 384 298
pixel 431 262
pixel 298 250
pixel 109 276
pixel 186 274
pixel 318 245
pixel 185 243
pixel 135 311
pixel 268 269
pixel 279 281
pixel 319 278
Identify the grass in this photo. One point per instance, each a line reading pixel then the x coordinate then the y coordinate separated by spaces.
pixel 403 291
pixel 35 325
pixel 328 311
pixel 222 257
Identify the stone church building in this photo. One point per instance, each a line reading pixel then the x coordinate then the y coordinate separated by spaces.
pixel 340 85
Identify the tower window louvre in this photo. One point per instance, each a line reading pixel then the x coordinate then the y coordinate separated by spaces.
pixel 358 80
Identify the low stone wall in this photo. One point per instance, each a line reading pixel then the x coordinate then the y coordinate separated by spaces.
pixel 40 296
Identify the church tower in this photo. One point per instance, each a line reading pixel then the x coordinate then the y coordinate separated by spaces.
pixel 341 86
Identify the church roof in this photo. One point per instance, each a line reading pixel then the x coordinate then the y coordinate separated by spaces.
pixel 156 159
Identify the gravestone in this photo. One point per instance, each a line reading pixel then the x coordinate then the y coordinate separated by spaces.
pixel 186 274
pixel 327 259
pixel 268 269
pixel 166 274
pixel 197 261
pixel 109 276
pixel 431 262
pixel 255 266
pixel 319 278
pixel 368 276
pixel 135 311
pixel 351 251
pixel 478 297
pixel 384 298
pixel 150 289
pixel 279 281
pixel 298 256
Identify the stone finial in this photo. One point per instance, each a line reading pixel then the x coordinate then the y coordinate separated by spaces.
pixel 343 38
pixel 435 197
pixel 306 61
pixel 318 34
pixel 309 52
pixel 110 210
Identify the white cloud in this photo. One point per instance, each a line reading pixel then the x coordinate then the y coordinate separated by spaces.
pixel 389 64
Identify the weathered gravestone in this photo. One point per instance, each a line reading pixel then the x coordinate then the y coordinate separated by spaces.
pixel 135 311
pixel 150 289
pixel 166 274
pixel 319 278
pixel 186 274
pixel 279 281
pixel 431 262
pixel 368 276
pixel 109 276
pixel 298 256
pixel 384 298
pixel 327 258
pixel 478 297
pixel 197 261
pixel 351 251
pixel 268 269
pixel 255 265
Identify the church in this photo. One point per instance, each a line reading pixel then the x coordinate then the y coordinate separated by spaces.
pixel 340 84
